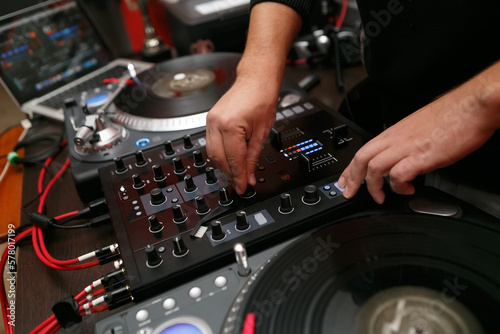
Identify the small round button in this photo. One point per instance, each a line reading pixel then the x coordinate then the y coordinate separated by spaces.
pixel 220 281
pixel 142 315
pixel 169 304
pixel 195 292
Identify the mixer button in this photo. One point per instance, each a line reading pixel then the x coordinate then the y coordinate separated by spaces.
pixel 138 182
pixel 178 166
pixel 120 165
pixel 168 304
pixel 189 185
pixel 217 231
pixel 195 292
pixel 180 248
pixel 153 257
pixel 211 177
pixel 179 216
pixel 169 148
pixel 139 159
pixel 142 315
pixel 311 195
pixel 201 205
pixel 157 197
pixel 220 281
pixel 154 224
pixel 158 173
pixel 242 221
pixel 198 159
pixel 286 205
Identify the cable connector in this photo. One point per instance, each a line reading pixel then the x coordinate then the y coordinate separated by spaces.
pixel 66 312
pixel 118 297
pixel 99 220
pixel 41 219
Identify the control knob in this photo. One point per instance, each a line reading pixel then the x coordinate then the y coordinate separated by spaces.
pixel 242 221
pixel 217 231
pixel 180 248
pixel 311 195
pixel 153 257
pixel 286 205
pixel 157 196
pixel 155 225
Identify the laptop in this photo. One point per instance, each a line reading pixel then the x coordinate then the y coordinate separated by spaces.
pixel 51 51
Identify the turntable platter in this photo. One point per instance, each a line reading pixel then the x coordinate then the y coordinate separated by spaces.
pixel 379 274
pixel 176 94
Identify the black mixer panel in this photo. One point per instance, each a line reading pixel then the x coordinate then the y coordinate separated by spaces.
pixel 176 216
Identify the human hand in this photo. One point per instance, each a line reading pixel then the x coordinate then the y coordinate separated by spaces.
pixel 435 136
pixel 237 127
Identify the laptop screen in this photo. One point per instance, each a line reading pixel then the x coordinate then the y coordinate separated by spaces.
pixel 46 46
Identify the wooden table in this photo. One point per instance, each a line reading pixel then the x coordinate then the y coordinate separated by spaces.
pixel 39 287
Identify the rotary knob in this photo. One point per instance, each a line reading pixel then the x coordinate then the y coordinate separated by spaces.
pixel 139 159
pixel 286 205
pixel 153 257
pixel 241 259
pixel 120 165
pixel 224 199
pixel 155 225
pixel 217 231
pixel 178 166
pixel 138 182
pixel 211 178
pixel 311 195
pixel 189 185
pixel 159 176
pixel 180 248
pixel 202 207
pixel 249 192
pixel 157 196
pixel 169 148
pixel 179 216
pixel 242 221
pixel 198 159
pixel 188 144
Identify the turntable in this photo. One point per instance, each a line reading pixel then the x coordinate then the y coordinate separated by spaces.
pixel 164 103
pixel 423 264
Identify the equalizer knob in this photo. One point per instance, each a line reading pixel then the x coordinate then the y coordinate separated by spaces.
pixel 211 178
pixel 224 199
pixel 178 166
pixel 179 216
pixel 169 148
pixel 311 195
pixel 138 182
pixel 198 159
pixel 120 165
pixel 155 225
pixel 188 144
pixel 217 231
pixel 157 196
pixel 242 221
pixel 189 185
pixel 180 248
pixel 159 176
pixel 153 257
pixel 286 205
pixel 249 192
pixel 139 159
pixel 201 205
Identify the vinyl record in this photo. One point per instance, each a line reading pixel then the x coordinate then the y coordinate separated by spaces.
pixel 176 94
pixel 378 274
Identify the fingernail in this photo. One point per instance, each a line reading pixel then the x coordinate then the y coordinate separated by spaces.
pixel 341 182
pixel 346 192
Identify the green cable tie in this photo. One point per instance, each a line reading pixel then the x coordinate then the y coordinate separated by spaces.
pixel 12 157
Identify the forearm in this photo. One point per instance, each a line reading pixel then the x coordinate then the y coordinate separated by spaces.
pixel 272 30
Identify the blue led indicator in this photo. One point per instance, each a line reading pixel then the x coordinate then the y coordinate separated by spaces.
pixel 142 142
pixel 181 328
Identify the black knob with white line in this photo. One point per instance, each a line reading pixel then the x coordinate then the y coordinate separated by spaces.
pixel 120 165
pixel 158 173
pixel 224 198
pixel 198 159
pixel 286 205
pixel 180 248
pixel 155 225
pixel 179 215
pixel 140 160
pixel 178 166
pixel 157 196
pixel 242 221
pixel 138 183
pixel 188 144
pixel 169 148
pixel 153 257
pixel 211 178
pixel 217 231
pixel 202 207
pixel 311 195
pixel 189 185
